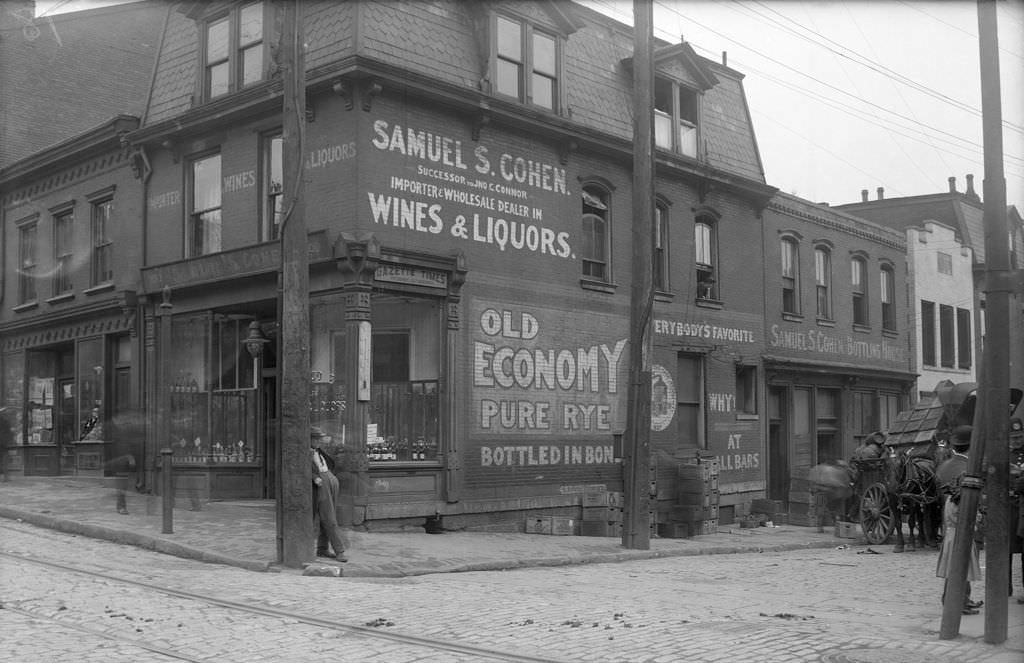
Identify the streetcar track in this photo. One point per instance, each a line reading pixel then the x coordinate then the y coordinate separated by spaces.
pixel 101 634
pixel 365 631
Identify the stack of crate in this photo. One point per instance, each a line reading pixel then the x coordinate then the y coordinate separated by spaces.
pixel 806 505
pixel 696 508
pixel 602 514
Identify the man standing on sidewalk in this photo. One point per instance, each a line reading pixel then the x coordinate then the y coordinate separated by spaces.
pixel 948 477
pixel 325 497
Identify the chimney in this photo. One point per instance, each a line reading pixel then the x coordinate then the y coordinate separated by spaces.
pixel 970 187
pixel 952 184
pixel 725 58
pixel 881 193
pixel 863 195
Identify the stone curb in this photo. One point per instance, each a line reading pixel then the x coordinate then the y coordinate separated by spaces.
pixel 130 538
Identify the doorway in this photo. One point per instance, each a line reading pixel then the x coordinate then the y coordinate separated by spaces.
pixel 778 445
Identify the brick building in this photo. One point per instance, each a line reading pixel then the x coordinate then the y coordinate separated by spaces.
pixel 468 182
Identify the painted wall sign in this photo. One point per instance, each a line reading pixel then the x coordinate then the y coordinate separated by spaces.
pixel 321 157
pixel 166 199
pixel 471 192
pixel 738 448
pixel 663 398
pixel 704 330
pixel 817 341
pixel 523 384
pixel 239 181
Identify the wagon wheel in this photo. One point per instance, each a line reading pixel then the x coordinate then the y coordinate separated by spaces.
pixel 877 519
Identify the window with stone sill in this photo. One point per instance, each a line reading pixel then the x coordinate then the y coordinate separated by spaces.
pixel 705 243
pixel 27 261
pixel 790 276
pixel 233 49
pixel 63 251
pixel 661 253
pixel 101 268
pixel 858 277
pixel 203 234
pixel 596 235
pixel 527 63
pixel 273 188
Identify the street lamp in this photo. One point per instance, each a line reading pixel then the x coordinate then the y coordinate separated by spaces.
pixel 254 343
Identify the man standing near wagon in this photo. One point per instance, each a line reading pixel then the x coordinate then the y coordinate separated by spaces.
pixel 948 476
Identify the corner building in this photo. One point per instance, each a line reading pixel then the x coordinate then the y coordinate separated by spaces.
pixel 468 186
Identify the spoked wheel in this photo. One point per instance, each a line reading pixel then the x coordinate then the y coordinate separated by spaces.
pixel 877 518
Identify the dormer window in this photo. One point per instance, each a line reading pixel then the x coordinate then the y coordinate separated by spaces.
pixel 676 110
pixel 527 63
pixel 233 50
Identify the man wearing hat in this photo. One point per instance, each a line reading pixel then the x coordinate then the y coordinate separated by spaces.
pixel 325 497
pixel 948 478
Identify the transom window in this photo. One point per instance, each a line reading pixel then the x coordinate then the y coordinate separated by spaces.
pixel 527 63
pixel 790 276
pixel 234 51
pixel 101 269
pixel 63 251
pixel 204 228
pixel 823 282
pixel 676 109
pixel 595 233
pixel 705 257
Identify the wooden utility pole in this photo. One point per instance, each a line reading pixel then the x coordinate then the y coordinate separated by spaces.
pixel 636 525
pixel 294 499
pixel 990 445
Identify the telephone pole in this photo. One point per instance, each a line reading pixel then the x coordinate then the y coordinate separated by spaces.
pixel 294 500
pixel 990 441
pixel 636 526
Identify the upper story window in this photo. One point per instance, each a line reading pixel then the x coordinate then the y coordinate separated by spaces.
pixel 676 109
pixel 273 188
pixel 27 261
pixel 945 262
pixel 888 295
pixel 204 221
pixel 596 233
pixel 527 63
pixel 964 343
pixel 927 333
pixel 660 247
pixel 101 269
pixel 233 53
pixel 858 276
pixel 790 276
pixel 63 251
pixel 823 282
pixel 705 244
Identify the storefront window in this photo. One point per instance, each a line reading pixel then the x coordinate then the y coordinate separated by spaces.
pixel 213 397
pixel 41 370
pixel 327 399
pixel 90 380
pixel 406 367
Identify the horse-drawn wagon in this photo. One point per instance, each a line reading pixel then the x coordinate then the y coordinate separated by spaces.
pixel 900 478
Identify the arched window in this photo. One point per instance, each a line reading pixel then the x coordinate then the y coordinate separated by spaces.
pixel 823 282
pixel 888 294
pixel 706 257
pixel 595 233
pixel 858 276
pixel 790 276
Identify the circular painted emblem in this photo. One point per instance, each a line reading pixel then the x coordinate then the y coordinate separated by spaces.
pixel 663 398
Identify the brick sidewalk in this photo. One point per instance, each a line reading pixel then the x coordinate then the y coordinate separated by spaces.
pixel 244 534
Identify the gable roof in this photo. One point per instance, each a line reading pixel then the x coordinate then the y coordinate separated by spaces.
pixel 681 62
pixel 73 72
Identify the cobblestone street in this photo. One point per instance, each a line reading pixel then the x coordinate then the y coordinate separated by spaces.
pixel 814 605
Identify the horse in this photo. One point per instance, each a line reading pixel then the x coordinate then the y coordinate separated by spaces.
pixel 914 494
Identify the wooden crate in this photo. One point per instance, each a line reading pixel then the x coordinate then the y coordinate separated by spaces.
pixel 538 525
pixel 564 526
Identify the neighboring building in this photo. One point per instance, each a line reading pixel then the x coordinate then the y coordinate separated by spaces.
pixel 468 202
pixel 941 287
pixel 839 356
pixel 963 212
pixel 70 220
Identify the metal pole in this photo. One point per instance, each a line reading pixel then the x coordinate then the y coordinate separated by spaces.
pixel 167 488
pixel 294 503
pixel 996 397
pixel 636 526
